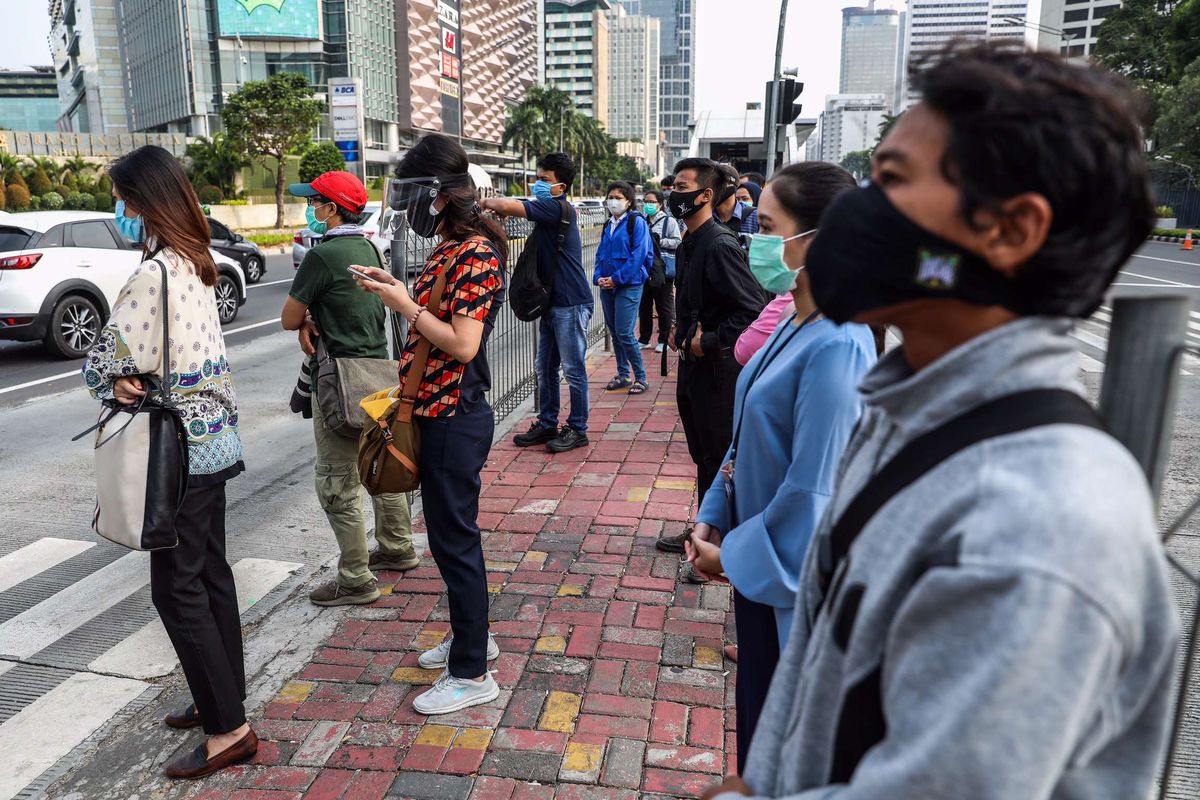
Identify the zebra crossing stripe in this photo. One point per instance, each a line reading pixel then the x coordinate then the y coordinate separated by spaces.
pixel 148 652
pixel 45 623
pixel 37 736
pixel 20 565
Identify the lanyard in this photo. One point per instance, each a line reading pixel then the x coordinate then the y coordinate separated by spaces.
pixel 781 344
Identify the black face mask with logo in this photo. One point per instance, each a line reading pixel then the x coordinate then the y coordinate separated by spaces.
pixel 867 255
pixel 683 204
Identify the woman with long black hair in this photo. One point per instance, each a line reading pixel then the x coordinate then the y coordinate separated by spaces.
pixel 192 583
pixel 451 410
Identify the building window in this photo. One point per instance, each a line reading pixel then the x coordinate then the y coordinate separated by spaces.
pixel 1101 13
pixel 1077 15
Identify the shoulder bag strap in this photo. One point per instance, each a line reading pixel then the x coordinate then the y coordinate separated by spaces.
pixel 1005 415
pixel 165 366
pixel 421 357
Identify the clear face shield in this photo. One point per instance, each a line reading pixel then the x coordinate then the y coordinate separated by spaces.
pixel 414 197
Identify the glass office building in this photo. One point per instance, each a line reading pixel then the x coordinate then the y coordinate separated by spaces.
pixel 29 99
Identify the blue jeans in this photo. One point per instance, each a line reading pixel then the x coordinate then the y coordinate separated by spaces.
pixel 562 342
pixel 621 306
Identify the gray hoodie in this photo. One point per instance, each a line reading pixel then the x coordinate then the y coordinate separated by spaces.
pixel 1003 629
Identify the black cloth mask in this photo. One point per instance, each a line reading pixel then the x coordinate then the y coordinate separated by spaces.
pixel 867 255
pixel 683 204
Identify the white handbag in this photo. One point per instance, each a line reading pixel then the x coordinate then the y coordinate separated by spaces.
pixel 141 456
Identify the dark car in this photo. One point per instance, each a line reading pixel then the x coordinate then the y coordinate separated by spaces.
pixel 235 246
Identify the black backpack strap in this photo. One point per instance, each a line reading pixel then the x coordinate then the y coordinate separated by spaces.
pixel 1005 415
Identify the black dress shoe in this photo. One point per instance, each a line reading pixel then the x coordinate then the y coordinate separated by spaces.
pixel 537 434
pixel 182 720
pixel 198 763
pixel 568 439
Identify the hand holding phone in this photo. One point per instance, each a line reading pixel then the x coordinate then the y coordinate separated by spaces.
pixel 361 272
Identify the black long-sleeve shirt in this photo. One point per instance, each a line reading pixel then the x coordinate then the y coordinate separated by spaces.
pixel 715 288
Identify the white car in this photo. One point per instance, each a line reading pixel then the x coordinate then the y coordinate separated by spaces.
pixel 61 271
pixel 305 240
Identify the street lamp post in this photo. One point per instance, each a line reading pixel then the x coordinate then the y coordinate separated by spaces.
pixel 772 128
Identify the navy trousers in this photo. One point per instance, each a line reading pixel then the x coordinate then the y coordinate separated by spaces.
pixel 758 653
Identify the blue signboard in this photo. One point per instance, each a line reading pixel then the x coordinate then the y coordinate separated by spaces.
pixel 270 19
pixel 349 149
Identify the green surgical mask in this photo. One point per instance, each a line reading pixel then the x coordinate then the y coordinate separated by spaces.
pixel 767 264
pixel 314 225
pixel 650 209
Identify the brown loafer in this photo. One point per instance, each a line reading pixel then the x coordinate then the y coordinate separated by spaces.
pixel 182 720
pixel 198 764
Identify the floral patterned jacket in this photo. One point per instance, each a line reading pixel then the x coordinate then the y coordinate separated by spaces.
pixel 200 380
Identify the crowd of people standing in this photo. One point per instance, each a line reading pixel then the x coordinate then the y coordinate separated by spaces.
pixel 945 573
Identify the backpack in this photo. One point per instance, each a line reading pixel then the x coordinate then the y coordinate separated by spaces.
pixel 658 268
pixel 529 292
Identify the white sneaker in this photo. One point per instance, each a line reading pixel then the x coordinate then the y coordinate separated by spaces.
pixel 454 694
pixel 645 346
pixel 439 657
pixel 659 347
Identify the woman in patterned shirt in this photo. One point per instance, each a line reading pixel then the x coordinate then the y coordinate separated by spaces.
pixel 191 584
pixel 452 412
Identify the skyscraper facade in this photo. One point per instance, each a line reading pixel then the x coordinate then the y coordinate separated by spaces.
pixel 576 52
pixel 932 24
pixel 870 43
pixel 29 99
pixel 86 46
pixel 850 123
pixel 1071 26
pixel 633 70
pixel 677 68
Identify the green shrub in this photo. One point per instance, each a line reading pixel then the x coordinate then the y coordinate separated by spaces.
pixel 52 201
pixel 104 184
pixel 376 183
pixel 17 196
pixel 210 194
pixel 515 190
pixel 35 203
pixel 15 178
pixel 1164 212
pixel 104 201
pixel 318 159
pixel 39 182
pixel 79 201
pixel 3 198
pixel 61 189
pixel 236 203
pixel 269 239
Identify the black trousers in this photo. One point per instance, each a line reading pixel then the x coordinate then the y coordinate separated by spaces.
pixel 662 302
pixel 192 587
pixel 453 451
pixel 758 653
pixel 705 396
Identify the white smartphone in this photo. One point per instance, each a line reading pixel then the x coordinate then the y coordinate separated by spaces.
pixel 365 276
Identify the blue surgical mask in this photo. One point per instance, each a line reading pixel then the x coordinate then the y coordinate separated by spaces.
pixel 767 264
pixel 541 190
pixel 746 205
pixel 314 225
pixel 650 209
pixel 130 227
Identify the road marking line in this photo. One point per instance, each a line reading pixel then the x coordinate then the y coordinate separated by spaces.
pixel 1168 260
pixel 148 652
pixel 76 373
pixel 5 666
pixel 1101 344
pixel 45 623
pixel 268 283
pixel 1159 285
pixel 1153 278
pixel 37 736
pixel 36 558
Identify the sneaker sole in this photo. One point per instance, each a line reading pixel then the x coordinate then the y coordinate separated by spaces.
pixel 349 600
pixel 668 547
pixel 575 446
pixel 446 663
pixel 534 444
pixel 395 566
pixel 474 701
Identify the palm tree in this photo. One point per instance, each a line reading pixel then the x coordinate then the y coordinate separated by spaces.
pixel 524 129
pixel 77 167
pixel 52 168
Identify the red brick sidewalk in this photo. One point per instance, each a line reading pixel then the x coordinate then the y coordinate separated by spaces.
pixel 612 676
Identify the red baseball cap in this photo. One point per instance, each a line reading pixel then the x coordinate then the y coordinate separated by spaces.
pixel 340 186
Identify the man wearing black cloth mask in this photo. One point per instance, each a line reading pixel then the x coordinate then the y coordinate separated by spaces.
pixel 985 610
pixel 716 298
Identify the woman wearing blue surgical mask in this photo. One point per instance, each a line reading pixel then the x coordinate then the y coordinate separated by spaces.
pixel 797 401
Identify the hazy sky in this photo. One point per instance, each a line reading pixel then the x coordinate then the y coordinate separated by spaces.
pixel 735 47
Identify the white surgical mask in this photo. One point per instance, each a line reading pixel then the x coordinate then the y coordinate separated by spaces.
pixel 616 206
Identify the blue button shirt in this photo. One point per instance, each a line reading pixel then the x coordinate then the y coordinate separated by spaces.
pixel 571 286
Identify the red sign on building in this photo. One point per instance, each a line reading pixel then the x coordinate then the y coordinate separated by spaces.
pixel 450 66
pixel 449 40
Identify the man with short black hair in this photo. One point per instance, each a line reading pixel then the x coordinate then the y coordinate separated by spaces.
pixel 562 330
pixel 752 177
pixel 985 611
pixel 728 211
pixel 716 298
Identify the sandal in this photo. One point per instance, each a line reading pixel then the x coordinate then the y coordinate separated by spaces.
pixel 638 387
pixel 617 383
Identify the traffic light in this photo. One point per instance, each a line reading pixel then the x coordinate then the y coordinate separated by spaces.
pixel 788 109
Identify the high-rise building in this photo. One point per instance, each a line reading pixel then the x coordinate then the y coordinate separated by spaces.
pixel 870 44
pixel 932 24
pixel 850 123
pixel 677 68
pixel 86 46
pixel 633 65
pixel 1070 27
pixel 576 52
pixel 29 99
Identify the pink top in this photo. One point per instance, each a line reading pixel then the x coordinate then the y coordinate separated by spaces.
pixel 754 337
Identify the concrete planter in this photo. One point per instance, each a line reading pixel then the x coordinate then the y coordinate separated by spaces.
pixel 258 216
pixel 1166 222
